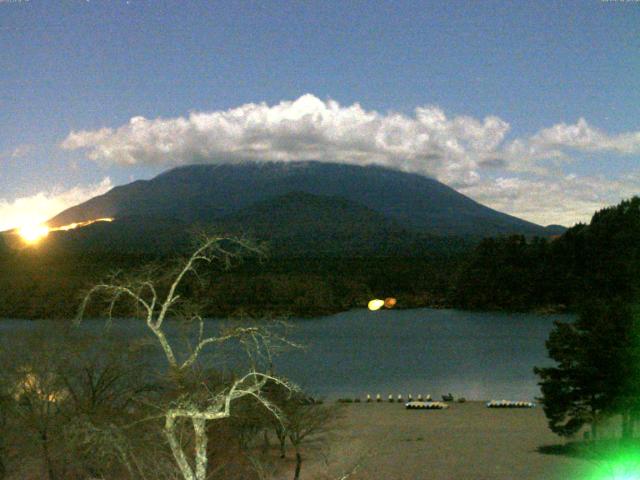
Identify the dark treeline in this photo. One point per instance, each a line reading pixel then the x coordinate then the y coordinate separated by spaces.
pixel 588 261
pixel 40 286
pixel 503 273
pixel 597 371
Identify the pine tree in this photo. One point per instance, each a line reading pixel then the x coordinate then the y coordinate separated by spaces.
pixel 598 368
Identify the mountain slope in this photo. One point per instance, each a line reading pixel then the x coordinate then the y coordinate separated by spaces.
pixel 209 193
pixel 125 235
pixel 298 223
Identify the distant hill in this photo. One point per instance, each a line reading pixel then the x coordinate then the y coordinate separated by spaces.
pixel 300 206
pixel 554 230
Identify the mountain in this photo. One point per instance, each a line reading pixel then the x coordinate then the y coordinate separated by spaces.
pixel 306 222
pixel 300 224
pixel 295 224
pixel 276 196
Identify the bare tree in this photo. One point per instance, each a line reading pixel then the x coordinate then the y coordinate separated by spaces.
pixel 306 423
pixel 156 306
pixel 35 396
pixel 68 399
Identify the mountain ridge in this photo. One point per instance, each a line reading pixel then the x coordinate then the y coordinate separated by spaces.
pixel 205 194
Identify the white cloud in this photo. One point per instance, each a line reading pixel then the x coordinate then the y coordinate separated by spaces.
pixel 42 206
pixel 561 140
pixel 459 151
pixel 305 129
pixel 427 142
pixel 563 200
pixel 582 136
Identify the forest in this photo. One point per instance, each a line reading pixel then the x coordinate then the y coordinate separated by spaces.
pixel 514 273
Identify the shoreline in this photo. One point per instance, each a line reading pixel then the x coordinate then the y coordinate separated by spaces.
pixel 275 314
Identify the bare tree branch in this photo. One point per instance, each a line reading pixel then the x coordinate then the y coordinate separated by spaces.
pixel 256 341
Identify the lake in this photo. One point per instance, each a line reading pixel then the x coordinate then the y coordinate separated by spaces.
pixel 422 351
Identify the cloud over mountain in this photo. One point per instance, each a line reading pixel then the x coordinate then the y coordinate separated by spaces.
pixel 305 129
pixel 461 151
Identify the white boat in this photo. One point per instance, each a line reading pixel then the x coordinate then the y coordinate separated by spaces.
pixel 509 404
pixel 426 405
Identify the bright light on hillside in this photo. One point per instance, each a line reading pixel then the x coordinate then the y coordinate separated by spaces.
pixel 33 233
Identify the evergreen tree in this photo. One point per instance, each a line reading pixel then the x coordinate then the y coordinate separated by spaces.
pixel 598 368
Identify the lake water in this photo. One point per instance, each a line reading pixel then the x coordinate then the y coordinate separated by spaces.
pixel 423 351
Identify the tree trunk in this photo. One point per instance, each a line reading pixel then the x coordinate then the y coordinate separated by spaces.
pixel 176 449
pixel 296 475
pixel 266 445
pixel 282 438
pixel 47 456
pixel 200 429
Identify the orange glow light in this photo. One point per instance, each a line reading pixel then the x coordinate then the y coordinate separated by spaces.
pixel 33 233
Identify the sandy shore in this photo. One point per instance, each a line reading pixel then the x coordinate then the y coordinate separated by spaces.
pixel 467 441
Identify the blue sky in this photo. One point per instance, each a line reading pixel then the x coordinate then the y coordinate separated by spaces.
pixel 532 108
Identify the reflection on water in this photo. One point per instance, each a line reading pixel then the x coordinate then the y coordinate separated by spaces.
pixel 423 351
